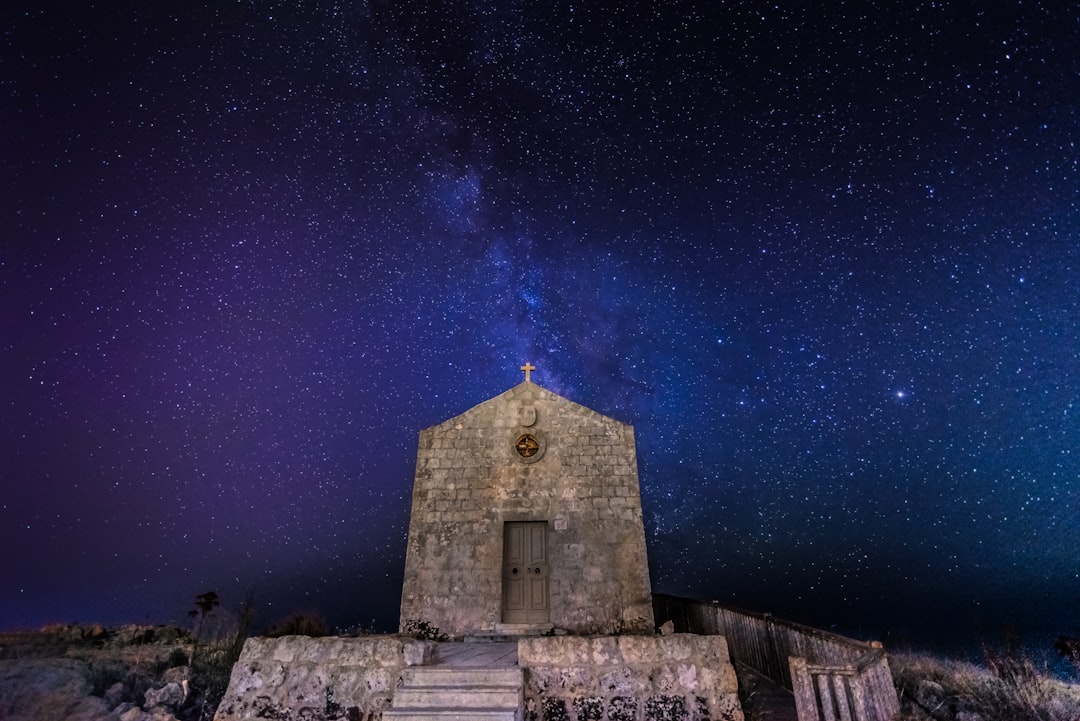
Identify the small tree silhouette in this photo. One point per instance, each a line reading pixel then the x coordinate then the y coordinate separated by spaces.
pixel 204 604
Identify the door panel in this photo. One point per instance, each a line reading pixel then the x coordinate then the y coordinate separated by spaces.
pixel 525 573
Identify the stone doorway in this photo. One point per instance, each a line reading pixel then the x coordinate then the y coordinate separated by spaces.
pixel 525 573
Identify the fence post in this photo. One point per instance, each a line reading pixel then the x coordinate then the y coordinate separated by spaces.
pixel 802 684
pixel 845 688
pixel 857 698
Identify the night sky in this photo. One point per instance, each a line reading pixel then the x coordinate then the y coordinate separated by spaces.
pixel 824 257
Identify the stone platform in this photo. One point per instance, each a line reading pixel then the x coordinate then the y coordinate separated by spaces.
pixel 681 677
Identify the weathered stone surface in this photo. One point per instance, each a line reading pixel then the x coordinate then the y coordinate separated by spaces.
pixel 48 689
pixel 582 482
pixel 134 714
pixel 177 674
pixel 168 696
pixel 681 676
pixel 114 695
pixel 319 679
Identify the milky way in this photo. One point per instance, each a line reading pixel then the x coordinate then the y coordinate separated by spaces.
pixel 825 261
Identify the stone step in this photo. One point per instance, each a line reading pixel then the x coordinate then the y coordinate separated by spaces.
pixel 490 638
pixel 458 696
pixel 449 693
pixel 451 714
pixel 460 676
pixel 516 630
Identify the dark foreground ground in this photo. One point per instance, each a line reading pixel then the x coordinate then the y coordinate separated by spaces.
pixel 135 673
pixel 763 700
pixel 144 673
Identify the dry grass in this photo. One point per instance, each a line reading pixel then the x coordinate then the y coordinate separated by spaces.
pixel 1007 688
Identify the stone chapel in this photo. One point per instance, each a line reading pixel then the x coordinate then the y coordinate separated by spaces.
pixel 526 518
pixel 526 522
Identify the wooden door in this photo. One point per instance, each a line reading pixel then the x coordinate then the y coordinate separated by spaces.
pixel 525 573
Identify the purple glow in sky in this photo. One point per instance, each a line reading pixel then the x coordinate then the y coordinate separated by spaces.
pixel 824 259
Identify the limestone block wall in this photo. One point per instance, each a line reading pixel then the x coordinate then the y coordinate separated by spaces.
pixel 582 482
pixel 682 677
pixel 319 679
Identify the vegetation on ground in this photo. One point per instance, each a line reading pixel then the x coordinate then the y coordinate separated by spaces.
pixel 423 630
pixel 201 660
pixel 1008 686
pixel 304 623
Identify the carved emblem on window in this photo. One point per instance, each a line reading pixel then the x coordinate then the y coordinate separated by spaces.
pixel 527 445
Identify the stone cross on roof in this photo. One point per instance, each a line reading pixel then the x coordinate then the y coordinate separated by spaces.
pixel 528 368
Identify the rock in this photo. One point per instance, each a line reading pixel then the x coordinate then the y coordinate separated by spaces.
pixel 168 696
pixel 167 635
pixel 161 715
pixel 123 708
pixel 115 694
pixel 134 714
pixel 929 694
pixel 48 689
pixel 79 673
pixel 177 674
pixel 667 628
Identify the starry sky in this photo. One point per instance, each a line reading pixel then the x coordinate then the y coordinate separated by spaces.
pixel 823 257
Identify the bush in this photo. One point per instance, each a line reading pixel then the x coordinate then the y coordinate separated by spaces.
pixel 177 657
pixel 212 666
pixel 103 674
pixel 423 630
pixel 1008 688
pixel 305 623
pixel 209 681
pixel 1068 648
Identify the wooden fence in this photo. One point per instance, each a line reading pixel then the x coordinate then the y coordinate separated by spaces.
pixel 833 678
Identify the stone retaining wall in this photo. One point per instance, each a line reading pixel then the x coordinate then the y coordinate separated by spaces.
pixel 319 679
pixel 682 677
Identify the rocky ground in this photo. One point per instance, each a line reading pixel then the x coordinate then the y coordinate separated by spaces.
pixel 142 673
pixel 89 673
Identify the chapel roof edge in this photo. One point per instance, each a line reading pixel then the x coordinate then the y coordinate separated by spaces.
pixel 518 390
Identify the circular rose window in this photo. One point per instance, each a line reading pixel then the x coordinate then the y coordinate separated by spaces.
pixel 527 445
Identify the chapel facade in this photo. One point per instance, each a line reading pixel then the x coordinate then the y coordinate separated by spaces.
pixel 526 516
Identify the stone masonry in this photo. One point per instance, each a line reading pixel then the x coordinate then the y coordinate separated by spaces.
pixel 531 456
pixel 320 679
pixel 682 677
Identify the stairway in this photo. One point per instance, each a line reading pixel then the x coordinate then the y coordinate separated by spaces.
pixel 445 693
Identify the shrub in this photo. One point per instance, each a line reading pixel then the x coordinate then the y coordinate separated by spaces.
pixel 103 674
pixel 423 630
pixel 176 657
pixel 305 623
pixel 1068 648
pixel 212 666
pixel 1008 688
